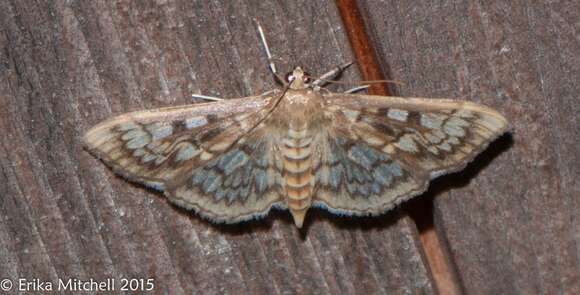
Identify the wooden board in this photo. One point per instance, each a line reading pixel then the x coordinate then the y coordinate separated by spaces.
pixel 509 222
pixel 65 66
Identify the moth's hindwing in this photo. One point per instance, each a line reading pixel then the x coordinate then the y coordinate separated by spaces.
pixel 240 184
pixel 355 178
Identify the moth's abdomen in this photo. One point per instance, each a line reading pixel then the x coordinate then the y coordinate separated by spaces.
pixel 297 172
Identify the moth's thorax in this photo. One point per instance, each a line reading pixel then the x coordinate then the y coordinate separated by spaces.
pixel 302 97
pixel 301 107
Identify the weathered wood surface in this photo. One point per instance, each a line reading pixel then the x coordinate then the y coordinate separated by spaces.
pixel 69 65
pixel 509 222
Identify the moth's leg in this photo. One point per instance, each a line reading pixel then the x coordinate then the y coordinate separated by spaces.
pixel 356 89
pixel 332 73
pixel 267 92
pixel 212 98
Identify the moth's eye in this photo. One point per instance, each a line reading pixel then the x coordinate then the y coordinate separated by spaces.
pixel 289 77
pixel 307 78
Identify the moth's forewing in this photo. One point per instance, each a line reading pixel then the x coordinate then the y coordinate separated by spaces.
pixel 187 153
pixel 384 150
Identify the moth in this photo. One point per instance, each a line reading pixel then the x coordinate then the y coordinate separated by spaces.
pixel 296 147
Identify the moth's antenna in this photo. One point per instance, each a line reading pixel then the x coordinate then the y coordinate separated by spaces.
pixel 268 54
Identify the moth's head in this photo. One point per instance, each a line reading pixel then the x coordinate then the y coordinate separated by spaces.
pixel 298 79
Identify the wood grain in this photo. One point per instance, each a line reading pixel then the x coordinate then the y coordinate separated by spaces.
pixel 64 66
pixel 509 223
pixel 510 220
